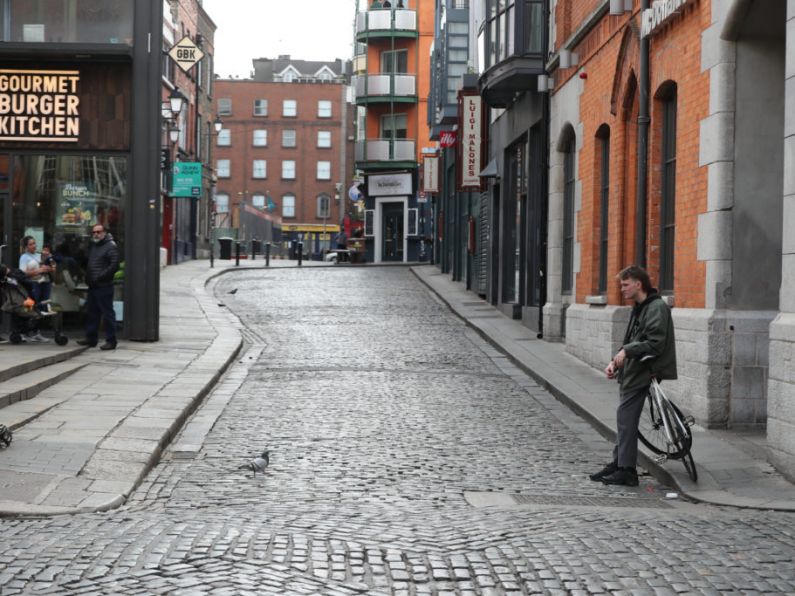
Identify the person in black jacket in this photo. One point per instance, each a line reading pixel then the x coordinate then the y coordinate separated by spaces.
pixel 103 262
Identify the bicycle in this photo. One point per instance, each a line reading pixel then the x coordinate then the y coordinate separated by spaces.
pixel 666 431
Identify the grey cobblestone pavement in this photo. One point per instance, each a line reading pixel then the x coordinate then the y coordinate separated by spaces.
pixel 407 457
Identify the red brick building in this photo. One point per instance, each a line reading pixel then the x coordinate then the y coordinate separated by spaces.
pixel 286 147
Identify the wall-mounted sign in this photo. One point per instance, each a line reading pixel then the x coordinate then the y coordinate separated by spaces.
pixel 658 15
pixel 386 185
pixel 470 144
pixel 39 105
pixel 186 53
pixel 447 138
pixel 430 174
pixel 186 179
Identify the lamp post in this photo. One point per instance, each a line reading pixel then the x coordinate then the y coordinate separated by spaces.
pixel 214 128
pixel 170 110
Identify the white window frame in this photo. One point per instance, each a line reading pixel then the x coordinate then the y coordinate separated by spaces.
pixel 260 107
pixel 284 137
pixel 289 108
pixel 221 206
pixel 262 141
pixel 224 138
pixel 323 171
pixel 287 166
pixel 258 197
pixel 326 143
pixel 324 108
pixel 320 212
pixel 223 168
pixel 259 164
pixel 225 106
pixel 284 205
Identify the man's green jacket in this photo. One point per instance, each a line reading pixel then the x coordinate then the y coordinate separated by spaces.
pixel 649 345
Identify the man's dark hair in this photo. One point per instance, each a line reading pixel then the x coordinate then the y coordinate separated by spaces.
pixel 638 274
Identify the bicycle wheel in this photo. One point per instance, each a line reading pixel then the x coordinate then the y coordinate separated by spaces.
pixel 652 433
pixel 690 466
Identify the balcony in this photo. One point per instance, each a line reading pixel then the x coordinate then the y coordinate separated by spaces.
pixel 359 64
pixel 377 88
pixel 386 23
pixel 385 153
pixel 513 45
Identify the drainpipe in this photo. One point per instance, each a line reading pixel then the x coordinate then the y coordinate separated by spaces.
pixel 643 146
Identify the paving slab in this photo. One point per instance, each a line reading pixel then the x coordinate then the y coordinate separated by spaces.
pixel 732 469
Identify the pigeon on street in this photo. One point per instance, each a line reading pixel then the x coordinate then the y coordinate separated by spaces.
pixel 258 464
pixel 232 291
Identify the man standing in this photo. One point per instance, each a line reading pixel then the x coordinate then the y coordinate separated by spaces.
pixel 103 262
pixel 648 351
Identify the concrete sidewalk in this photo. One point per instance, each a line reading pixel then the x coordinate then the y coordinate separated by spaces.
pixel 731 465
pixel 90 424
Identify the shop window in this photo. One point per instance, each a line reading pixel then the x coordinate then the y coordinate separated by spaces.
pixel 289 108
pixel 224 137
pixel 569 156
pixel 603 142
pixel 288 205
pixel 668 198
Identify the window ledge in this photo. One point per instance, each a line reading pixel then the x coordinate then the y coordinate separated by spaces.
pixel 598 300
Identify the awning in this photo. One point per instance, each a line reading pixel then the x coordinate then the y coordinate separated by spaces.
pixel 491 170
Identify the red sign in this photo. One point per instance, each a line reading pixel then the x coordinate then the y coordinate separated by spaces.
pixel 447 138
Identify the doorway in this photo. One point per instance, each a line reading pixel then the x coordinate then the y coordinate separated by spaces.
pixel 392 226
pixel 5 208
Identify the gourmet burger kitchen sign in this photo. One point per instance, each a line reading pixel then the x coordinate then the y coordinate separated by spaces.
pixel 39 105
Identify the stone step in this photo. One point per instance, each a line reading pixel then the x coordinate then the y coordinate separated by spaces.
pixel 20 359
pixel 16 409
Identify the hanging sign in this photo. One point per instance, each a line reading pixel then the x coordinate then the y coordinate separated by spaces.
pixel 186 179
pixel 470 142
pixel 186 53
pixel 447 138
pixel 39 105
pixel 658 15
pixel 430 174
pixel 383 185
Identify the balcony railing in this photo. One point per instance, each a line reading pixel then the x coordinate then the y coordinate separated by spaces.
pixel 385 87
pixel 386 22
pixel 360 63
pixel 386 150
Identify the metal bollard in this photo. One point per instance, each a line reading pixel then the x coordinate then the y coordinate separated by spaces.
pixel 212 253
pixel 300 253
pixel 253 250
pixel 267 254
pixel 237 254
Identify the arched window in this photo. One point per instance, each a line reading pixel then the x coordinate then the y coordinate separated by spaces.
pixel 668 97
pixel 603 167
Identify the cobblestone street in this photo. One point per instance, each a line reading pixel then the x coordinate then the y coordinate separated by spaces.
pixel 408 456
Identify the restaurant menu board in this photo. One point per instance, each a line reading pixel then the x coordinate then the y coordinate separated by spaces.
pixel 76 207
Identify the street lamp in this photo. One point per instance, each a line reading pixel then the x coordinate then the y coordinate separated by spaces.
pixel 176 100
pixel 173 133
pixel 218 124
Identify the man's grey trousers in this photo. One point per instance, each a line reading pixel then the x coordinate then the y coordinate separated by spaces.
pixel 627 417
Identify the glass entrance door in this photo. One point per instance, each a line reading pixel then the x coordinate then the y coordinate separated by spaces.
pixel 393 232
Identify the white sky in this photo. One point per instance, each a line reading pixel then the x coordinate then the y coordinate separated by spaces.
pixel 305 29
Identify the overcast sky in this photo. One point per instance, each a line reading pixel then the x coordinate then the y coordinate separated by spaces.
pixel 305 29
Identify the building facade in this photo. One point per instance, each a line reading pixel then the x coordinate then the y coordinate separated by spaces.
pixel 285 151
pixel 391 85
pixel 658 157
pixel 80 139
pixel 186 220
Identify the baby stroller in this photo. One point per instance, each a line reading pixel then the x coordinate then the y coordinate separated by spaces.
pixel 16 301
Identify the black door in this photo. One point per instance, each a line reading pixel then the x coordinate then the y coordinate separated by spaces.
pixel 5 208
pixel 392 226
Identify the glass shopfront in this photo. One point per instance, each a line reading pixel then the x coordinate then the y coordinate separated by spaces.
pixel 67 21
pixel 56 198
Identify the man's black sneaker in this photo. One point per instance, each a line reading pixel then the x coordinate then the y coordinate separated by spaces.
pixel 108 345
pixel 86 342
pixel 607 470
pixel 622 477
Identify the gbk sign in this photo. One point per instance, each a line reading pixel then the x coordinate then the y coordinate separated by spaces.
pixel 186 53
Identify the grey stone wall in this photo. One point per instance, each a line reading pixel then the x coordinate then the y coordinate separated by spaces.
pixel 594 333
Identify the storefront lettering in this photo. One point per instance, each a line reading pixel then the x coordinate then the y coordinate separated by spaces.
pixel 39 105
pixel 470 174
pixel 659 13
